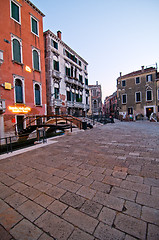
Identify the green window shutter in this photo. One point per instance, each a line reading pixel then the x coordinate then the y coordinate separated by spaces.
pixel 16 51
pixel 37 95
pixel 35 60
pixel 15 11
pixel 18 91
pixel 34 26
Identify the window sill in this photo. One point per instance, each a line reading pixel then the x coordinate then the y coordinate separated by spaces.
pixel 138 102
pixel 18 63
pixel 35 34
pixel 36 70
pixel 38 105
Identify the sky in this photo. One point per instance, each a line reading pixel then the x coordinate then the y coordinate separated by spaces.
pixel 113 36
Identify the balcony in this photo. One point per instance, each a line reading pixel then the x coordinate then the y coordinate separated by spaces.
pixel 78 105
pixel 2 106
pixel 56 74
pixel 57 102
pixel 70 104
pixel 87 106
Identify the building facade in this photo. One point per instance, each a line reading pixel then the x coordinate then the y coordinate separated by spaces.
pixel 110 105
pixel 95 99
pixel 22 73
pixel 137 93
pixel 66 78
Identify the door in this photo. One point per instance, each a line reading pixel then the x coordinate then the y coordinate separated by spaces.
pixel 149 110
pixel 20 123
pixel 130 110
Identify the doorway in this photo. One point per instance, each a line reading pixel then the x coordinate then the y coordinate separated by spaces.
pixel 149 110
pixel 130 111
pixel 20 123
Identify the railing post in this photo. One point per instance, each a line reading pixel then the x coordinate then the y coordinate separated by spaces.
pixel 10 143
pixel 7 144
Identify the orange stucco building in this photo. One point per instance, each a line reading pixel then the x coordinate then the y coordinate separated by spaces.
pixel 22 64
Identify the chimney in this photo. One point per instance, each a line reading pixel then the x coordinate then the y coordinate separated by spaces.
pixel 59 33
pixel 120 74
pixel 97 83
pixel 142 68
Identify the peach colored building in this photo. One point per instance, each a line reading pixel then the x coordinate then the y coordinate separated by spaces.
pixel 22 68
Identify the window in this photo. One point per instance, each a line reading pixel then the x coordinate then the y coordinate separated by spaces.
pixel 16 51
pixel 80 78
pixel 37 94
pixel 15 11
pixel 36 60
pixel 67 71
pixel 79 63
pixel 18 91
pixel 56 65
pixel 56 92
pixel 68 96
pixel 158 94
pixel 123 83
pixel 86 100
pixel 86 81
pixel 94 92
pixel 149 78
pixel 137 80
pixel 124 99
pixel 72 71
pixel 149 95
pixel 138 96
pixel 34 26
pixel 54 44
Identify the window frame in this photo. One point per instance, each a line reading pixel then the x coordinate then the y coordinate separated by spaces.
pixel 151 95
pixel 40 87
pixel 12 1
pixel 147 76
pixel 38 51
pixel 139 80
pixel 123 81
pixel 15 77
pixel 54 44
pixel 21 53
pixel 35 19
pixel 158 94
pixel 136 97
pixel 122 98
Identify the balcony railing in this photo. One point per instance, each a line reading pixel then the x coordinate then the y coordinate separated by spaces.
pixel 74 104
pixel 56 74
pixel 2 106
pixel 87 106
pixel 73 81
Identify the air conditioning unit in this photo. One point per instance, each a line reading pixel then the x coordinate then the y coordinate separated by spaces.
pixel 2 106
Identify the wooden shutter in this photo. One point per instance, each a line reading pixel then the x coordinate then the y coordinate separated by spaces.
pixel 16 51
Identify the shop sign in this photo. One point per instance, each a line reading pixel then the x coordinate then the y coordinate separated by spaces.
pixel 19 109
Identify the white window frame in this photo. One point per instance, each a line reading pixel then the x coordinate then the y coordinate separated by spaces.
pixel 122 98
pixel 23 87
pixel 33 48
pixel 139 80
pixel 122 83
pixel 136 97
pixel 158 94
pixel 32 17
pixel 40 85
pixel 147 76
pixel 19 5
pixel 20 41
pixel 151 95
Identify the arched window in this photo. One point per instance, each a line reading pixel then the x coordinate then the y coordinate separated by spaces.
pixel 37 95
pixel 18 91
pixel 16 51
pixel 36 60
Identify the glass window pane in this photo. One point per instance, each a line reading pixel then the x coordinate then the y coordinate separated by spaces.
pixel 15 11
pixel 16 51
pixel 35 60
pixel 18 91
pixel 37 95
pixel 34 26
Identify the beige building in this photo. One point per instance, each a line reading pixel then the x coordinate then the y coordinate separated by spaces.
pixel 95 99
pixel 137 93
pixel 66 78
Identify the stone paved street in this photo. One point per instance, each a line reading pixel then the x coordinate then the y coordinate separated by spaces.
pixel 99 184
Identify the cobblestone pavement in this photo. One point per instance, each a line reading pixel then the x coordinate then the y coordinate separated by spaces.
pixel 99 184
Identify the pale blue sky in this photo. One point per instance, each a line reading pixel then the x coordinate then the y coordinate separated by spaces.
pixel 111 35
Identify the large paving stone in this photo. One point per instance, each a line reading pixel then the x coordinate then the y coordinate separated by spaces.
pixel 55 226
pixel 80 220
pixel 130 225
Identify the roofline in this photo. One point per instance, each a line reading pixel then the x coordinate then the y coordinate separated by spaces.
pixel 70 49
pixel 138 72
pixel 34 7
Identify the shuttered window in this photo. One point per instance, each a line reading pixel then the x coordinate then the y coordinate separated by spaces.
pixel 56 65
pixel 148 95
pixel 19 91
pixel 56 92
pixel 16 51
pixel 37 95
pixel 15 11
pixel 36 60
pixel 34 26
